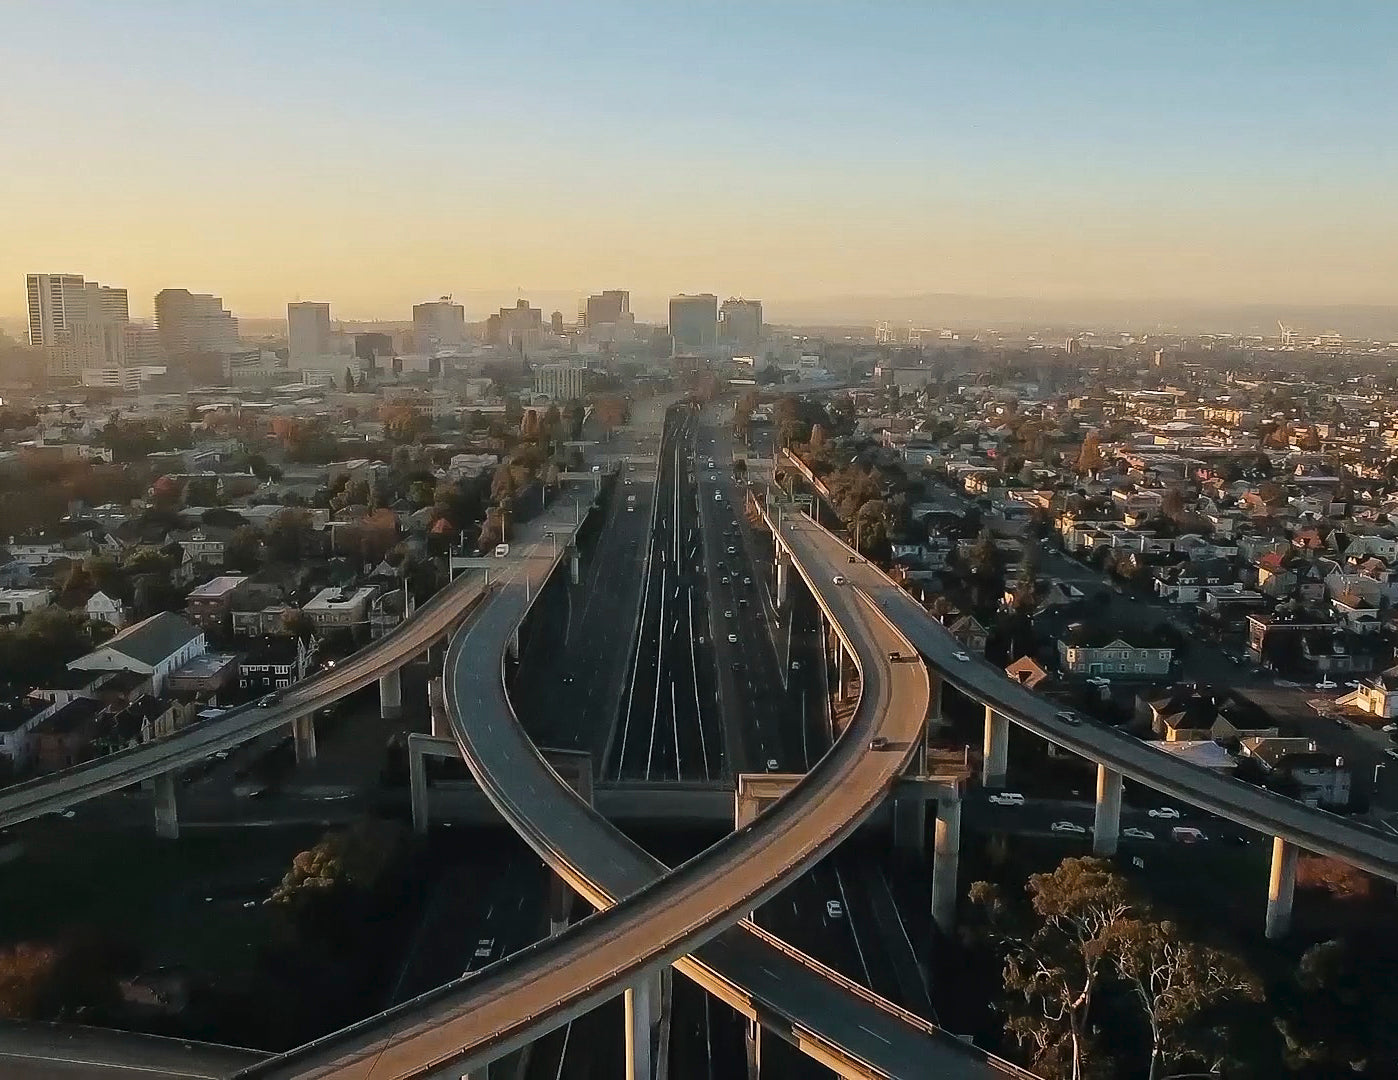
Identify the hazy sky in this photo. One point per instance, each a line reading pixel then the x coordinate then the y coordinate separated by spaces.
pixel 373 155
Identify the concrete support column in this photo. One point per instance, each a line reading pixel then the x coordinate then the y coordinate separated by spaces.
pixel 417 785
pixel 512 645
pixel 391 695
pixel 995 759
pixel 1281 888
pixel 783 577
pixel 1106 825
pixel 640 1026
pixel 934 704
pixel 437 709
pixel 946 853
pixel 303 731
pixel 754 1047
pixel 574 565
pixel 167 817
pixel 560 904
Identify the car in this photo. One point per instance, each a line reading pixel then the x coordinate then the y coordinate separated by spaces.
pixel 747 581
pixel 742 601
pixel 732 550
pixel 732 639
pixel 631 509
pixel 727 614
pixel 567 676
pixel 737 665
pixel 796 665
pixel 629 481
pixel 1390 752
pixel 1007 798
pixel 1187 834
pixel 1164 812
pixel 484 947
pixel 854 558
pixel 1133 833
pixel 838 579
pixel 1390 728
pixel 1068 827
pixel 723 581
pixel 963 657
pixel 833 909
pixel 268 700
pixel 878 742
pixel 894 657
pixel 718 497
pixel 221 755
pixel 1068 717
pixel 772 764
pixel 1326 684
pixel 502 550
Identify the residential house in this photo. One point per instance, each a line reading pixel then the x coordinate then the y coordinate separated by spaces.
pixel 211 604
pixel 66 736
pixel 203 675
pixel 17 603
pixel 102 608
pixel 1187 713
pixel 151 648
pixel 1275 578
pixel 1315 777
pixel 1377 695
pixel 344 608
pixel 1184 583
pixel 968 630
pixel 274 664
pixel 1085 650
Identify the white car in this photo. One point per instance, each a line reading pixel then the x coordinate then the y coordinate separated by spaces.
pixel 732 639
pixel 1133 833
pixel 796 665
pixel 1326 684
pixel 771 764
pixel 1390 728
pixel 963 657
pixel 727 614
pixel 484 947
pixel 833 909
pixel 1168 812
pixel 1068 827
pixel 1007 798
pixel 718 497
pixel 838 579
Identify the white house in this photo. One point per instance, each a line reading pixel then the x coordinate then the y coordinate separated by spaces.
pixel 155 646
pixel 102 608
pixel 20 602
pixel 340 607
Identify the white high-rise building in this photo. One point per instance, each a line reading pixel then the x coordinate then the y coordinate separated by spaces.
pixel 308 333
pixel 194 323
pixel 79 324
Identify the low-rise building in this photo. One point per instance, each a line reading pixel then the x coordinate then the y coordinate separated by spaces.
pixel 17 603
pixel 342 608
pixel 153 647
pixel 1312 776
pixel 211 604
pixel 1086 650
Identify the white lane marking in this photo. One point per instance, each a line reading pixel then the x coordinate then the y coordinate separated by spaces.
pixel 104 1065
pixel 675 724
pixel 659 656
pixel 875 1034
pixel 849 920
pixel 563 1054
pixel 698 711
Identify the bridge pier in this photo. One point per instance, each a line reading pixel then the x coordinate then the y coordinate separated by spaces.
pixel 754 1048
pixel 640 1029
pixel 560 904
pixel 1106 822
pixel 910 811
pixel 303 731
pixel 946 854
pixel 437 709
pixel 995 758
pixel 934 704
pixel 574 565
pixel 391 694
pixel 1281 888
pixel 783 576
pixel 167 816
pixel 512 645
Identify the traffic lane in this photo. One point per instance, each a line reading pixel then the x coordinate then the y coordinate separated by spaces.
pixel 991 812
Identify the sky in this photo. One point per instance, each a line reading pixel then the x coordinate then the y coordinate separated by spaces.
pixel 375 155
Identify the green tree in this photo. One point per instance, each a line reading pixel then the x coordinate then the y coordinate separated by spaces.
pixel 243 551
pixel 288 535
pixel 1174 981
pixel 349 381
pixel 1056 955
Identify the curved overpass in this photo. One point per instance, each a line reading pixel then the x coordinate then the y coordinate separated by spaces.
pixel 652 917
pixel 1294 822
pixel 432 621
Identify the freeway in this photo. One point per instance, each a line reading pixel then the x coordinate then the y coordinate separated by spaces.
pixel 1274 815
pixel 652 918
pixel 195 743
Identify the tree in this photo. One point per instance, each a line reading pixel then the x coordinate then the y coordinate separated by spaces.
pixel 1090 456
pixel 1174 981
pixel 288 535
pixel 1172 504
pixel 1339 1016
pixel 201 491
pixel 1056 954
pixel 243 551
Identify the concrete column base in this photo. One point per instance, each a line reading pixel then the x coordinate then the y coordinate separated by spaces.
pixel 1106 827
pixel 946 854
pixel 754 1049
pixel 995 759
pixel 391 695
pixel 167 817
pixel 303 730
pixel 1281 888
pixel 640 1028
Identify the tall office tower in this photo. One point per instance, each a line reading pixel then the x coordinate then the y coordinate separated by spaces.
pixel 307 333
pixel 740 322
pixel 79 324
pixel 439 323
pixel 144 345
pixel 606 307
pixel 518 326
pixel 194 323
pixel 694 321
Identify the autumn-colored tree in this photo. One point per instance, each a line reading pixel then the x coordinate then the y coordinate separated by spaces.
pixel 1090 456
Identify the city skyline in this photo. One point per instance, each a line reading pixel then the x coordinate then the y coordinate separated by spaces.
pixel 1232 155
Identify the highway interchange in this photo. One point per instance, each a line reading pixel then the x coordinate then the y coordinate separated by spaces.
pixel 779 721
